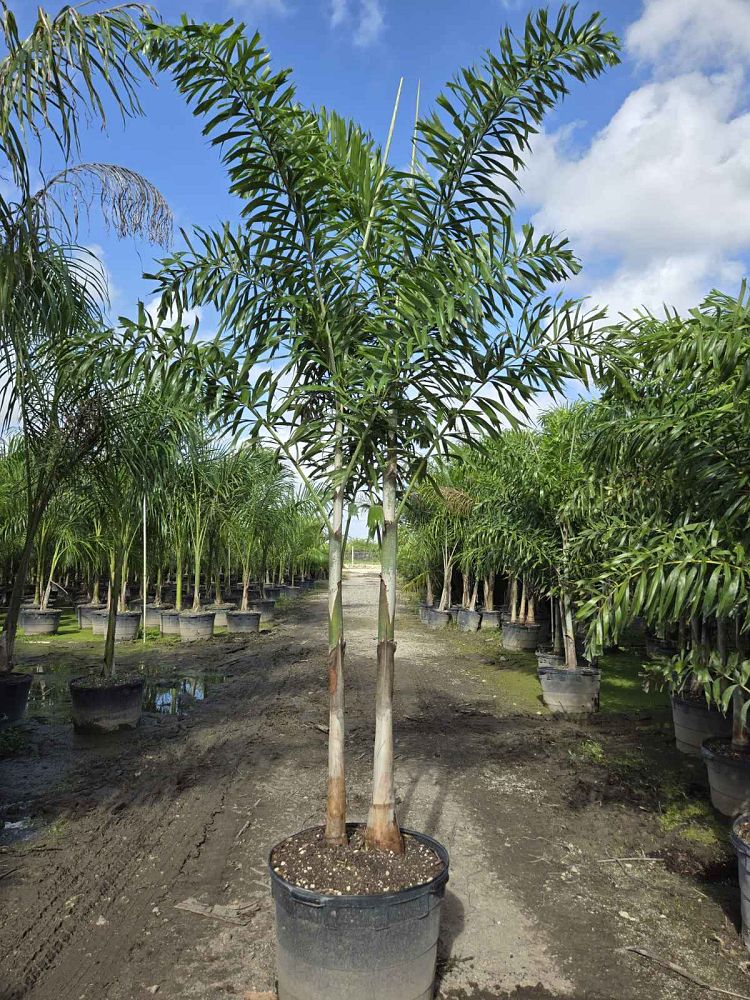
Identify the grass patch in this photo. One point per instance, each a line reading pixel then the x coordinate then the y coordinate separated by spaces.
pixel 12 741
pixel 692 819
pixel 512 676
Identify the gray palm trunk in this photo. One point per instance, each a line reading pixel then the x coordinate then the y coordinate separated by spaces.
pixel 383 831
pixel 336 798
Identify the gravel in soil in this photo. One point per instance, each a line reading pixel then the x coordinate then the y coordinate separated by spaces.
pixel 307 861
pixel 722 747
pixel 102 681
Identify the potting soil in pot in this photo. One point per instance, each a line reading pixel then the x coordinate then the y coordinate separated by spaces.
pixel 307 861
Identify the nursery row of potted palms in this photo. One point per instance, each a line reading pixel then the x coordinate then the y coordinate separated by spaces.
pixel 625 514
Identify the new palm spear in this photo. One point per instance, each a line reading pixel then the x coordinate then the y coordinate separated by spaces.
pixel 408 311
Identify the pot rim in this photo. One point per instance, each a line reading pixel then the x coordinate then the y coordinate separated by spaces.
pixel 79 683
pixel 567 671
pixel 15 677
pixel 370 900
pixel 738 843
pixel 709 755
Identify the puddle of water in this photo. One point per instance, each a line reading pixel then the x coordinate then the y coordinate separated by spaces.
pixel 173 694
pixel 16 831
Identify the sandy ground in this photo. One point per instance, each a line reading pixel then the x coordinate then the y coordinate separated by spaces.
pixel 147 875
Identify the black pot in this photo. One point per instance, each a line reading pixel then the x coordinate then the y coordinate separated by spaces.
pixel 84 612
pixel 546 658
pixel 264 606
pixel 169 622
pixel 291 591
pixel 127 626
pixel 98 621
pixel 520 638
pixel 355 947
pixel 728 778
pixel 438 619
pixel 743 870
pixel 491 619
pixel 153 614
pixel 35 621
pixel 97 709
pixel 243 621
pixel 469 621
pixel 14 696
pixel 424 611
pixel 273 593
pixel 220 613
pixel 572 692
pixel 694 722
pixel 195 625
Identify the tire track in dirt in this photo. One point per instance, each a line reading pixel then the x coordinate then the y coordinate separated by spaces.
pixel 121 860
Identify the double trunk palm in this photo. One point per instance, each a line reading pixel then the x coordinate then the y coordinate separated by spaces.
pixel 393 297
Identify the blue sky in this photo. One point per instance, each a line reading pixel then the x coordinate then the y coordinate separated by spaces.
pixel 647 170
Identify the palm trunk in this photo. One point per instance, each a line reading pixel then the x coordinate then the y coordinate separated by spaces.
pixel 556 626
pixel 383 831
pixel 178 583
pixel 739 733
pixel 569 639
pixel 196 577
pixel 530 611
pixel 474 595
pixel 523 608
pixel 513 600
pixel 115 587
pixel 465 595
pixel 430 599
pixel 95 589
pixel 10 626
pixel 245 606
pixel 336 798
pixel 489 592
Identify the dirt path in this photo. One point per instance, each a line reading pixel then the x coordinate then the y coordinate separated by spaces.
pixel 182 813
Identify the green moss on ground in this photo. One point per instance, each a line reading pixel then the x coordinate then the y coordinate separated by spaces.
pixel 692 819
pixel 513 677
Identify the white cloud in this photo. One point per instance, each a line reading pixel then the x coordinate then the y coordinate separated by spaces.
pixel 262 6
pixel 189 316
pixel 679 34
pixel 339 12
pixel 371 23
pixel 101 284
pixel 657 202
pixel 369 19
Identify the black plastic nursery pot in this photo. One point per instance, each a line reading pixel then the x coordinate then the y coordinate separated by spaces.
pixel 196 625
pixel 520 638
pixel 14 696
pixel 220 613
pixel 264 606
pixel 35 621
pixel 153 614
pixel 98 620
pixel 740 830
pixel 491 619
pixel 98 708
pixel 424 611
pixel 169 622
pixel 438 619
pixel 127 626
pixel 273 593
pixel 469 621
pixel 359 947
pixel 695 721
pixel 728 776
pixel 546 658
pixel 292 591
pixel 572 692
pixel 84 613
pixel 243 621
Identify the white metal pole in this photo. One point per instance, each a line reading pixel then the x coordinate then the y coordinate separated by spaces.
pixel 143 588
